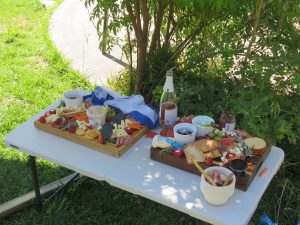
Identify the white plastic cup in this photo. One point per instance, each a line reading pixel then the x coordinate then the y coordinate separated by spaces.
pixel 96 115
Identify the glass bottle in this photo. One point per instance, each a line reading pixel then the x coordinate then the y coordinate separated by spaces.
pixel 168 103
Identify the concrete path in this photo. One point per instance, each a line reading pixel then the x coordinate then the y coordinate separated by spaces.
pixel 76 37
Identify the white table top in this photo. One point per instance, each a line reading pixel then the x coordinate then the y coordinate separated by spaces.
pixel 137 173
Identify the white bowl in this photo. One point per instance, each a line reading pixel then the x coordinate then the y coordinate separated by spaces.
pixel 184 139
pixel 202 130
pixel 72 99
pixel 217 195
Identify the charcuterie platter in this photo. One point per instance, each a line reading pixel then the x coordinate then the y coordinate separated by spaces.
pixel 100 127
pixel 210 145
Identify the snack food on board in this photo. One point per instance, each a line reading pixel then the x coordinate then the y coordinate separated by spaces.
pixel 205 145
pixel 258 145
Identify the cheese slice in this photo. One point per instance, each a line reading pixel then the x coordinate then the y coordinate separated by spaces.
pixel 257 144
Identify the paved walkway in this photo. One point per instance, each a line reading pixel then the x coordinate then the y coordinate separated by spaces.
pixel 76 37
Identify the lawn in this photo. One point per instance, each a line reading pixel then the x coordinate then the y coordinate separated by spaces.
pixel 33 75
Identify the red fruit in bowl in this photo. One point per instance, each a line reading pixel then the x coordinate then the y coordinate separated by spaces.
pixel 42 119
pixel 72 129
pixel 178 152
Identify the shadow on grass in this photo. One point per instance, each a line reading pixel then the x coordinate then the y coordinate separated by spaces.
pixel 15 175
pixel 88 201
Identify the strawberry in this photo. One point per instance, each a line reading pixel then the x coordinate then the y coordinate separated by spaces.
pixel 151 134
pixel 178 152
pixel 42 119
pixel 72 129
pixel 209 161
pixel 170 133
pixel 163 132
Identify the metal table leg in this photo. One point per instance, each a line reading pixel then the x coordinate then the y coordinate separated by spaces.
pixel 38 197
pixel 12 206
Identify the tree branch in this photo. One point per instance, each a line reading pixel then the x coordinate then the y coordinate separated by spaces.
pixel 132 18
pixel 170 18
pixel 253 34
pixel 146 16
pixel 157 26
pixel 138 18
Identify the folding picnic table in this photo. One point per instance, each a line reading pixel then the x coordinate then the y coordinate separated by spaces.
pixel 135 172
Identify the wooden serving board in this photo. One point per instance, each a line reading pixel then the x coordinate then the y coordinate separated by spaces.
pixel 242 182
pixel 107 148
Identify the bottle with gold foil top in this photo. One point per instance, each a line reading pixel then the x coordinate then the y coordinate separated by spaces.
pixel 168 103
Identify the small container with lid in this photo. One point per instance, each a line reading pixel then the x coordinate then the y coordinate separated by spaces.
pixel 227 121
pixel 96 115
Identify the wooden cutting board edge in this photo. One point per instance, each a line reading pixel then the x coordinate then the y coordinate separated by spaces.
pixel 107 148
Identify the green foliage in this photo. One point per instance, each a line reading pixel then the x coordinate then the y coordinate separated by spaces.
pixel 121 82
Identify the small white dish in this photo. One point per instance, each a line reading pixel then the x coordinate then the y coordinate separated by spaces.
pixel 184 133
pixel 216 195
pixel 72 99
pixel 202 130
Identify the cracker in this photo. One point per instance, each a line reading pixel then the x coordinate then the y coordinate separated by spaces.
pixel 80 131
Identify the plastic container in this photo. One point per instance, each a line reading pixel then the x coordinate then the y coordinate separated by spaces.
pixel 96 115
pixel 216 195
pixel 199 122
pixel 184 133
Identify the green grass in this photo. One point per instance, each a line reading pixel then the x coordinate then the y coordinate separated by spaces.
pixel 33 75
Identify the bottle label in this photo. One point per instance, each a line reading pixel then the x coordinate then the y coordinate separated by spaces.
pixel 229 126
pixel 170 116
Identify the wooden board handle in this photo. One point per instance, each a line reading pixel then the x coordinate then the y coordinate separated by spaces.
pixel 209 179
